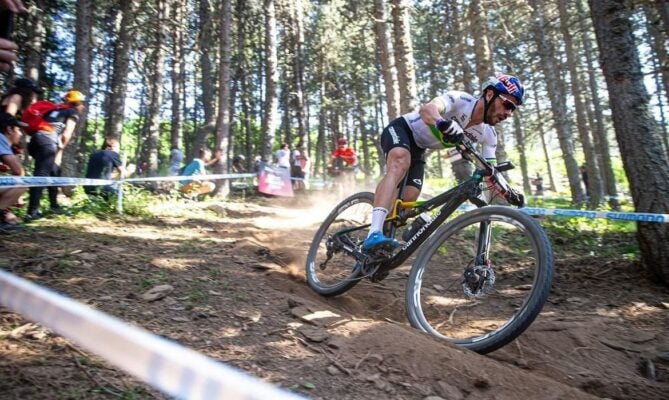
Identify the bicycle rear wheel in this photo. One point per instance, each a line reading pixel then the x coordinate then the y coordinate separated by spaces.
pixel 482 279
pixel 330 268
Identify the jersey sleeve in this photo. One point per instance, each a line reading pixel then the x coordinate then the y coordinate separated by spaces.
pixel 116 160
pixel 444 103
pixel 489 145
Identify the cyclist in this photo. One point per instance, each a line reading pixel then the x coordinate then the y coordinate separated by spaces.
pixel 344 157
pixel 436 125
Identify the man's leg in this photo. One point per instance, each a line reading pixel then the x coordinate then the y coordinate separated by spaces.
pixel 53 190
pixel 9 197
pixel 44 152
pixel 397 164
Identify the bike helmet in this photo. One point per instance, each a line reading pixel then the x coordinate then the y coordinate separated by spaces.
pixel 74 96
pixel 507 84
pixel 341 141
pixel 501 83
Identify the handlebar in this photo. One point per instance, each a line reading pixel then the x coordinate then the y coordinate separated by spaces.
pixel 493 173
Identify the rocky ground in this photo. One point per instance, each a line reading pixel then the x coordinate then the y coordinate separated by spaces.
pixel 238 295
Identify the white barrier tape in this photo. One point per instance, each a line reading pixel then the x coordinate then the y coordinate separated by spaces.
pixel 619 197
pixel 626 216
pixel 191 177
pixel 33 181
pixel 165 365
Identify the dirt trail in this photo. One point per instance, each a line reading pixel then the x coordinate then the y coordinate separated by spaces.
pixel 239 296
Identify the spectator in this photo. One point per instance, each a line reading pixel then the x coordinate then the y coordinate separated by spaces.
pixel 176 158
pixel 193 188
pixel 7 48
pixel 10 136
pixel 283 156
pixel 218 166
pixel 101 165
pixel 538 182
pixel 238 164
pixel 24 93
pixel 47 144
pixel 584 176
pixel 300 160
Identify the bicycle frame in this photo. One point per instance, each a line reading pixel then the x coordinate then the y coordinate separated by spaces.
pixel 451 200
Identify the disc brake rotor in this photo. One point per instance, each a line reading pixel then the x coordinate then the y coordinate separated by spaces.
pixel 478 280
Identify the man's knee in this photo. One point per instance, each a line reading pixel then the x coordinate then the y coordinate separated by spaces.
pixel 398 162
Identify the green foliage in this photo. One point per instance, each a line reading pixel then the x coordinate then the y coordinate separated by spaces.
pixel 595 237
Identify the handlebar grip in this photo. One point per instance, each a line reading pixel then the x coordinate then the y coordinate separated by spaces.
pixel 514 198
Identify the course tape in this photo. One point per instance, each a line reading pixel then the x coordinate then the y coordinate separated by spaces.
pixel 28 181
pixel 31 181
pixel 627 216
pixel 165 365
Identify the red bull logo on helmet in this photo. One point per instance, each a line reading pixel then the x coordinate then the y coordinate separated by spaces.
pixel 508 84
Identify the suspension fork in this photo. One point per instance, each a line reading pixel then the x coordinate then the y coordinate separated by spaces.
pixel 483 245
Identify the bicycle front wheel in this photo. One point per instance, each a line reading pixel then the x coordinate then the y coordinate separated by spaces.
pixel 481 279
pixel 331 269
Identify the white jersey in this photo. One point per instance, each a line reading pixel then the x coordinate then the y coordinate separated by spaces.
pixel 458 107
pixel 283 158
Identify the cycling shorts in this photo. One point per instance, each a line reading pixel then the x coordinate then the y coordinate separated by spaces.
pixel 398 134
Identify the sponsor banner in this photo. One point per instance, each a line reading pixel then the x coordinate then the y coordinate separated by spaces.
pixel 275 181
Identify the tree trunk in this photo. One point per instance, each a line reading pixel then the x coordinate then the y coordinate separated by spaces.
pixel 223 122
pixel 599 133
pixel 299 60
pixel 119 79
pixel 461 48
pixel 207 49
pixel 520 146
pixel 178 72
pixel 387 59
pixel 150 153
pixel 34 41
pixel 549 168
pixel 244 73
pixel 406 66
pixel 594 181
pixel 557 95
pixel 83 55
pixel 271 78
pixel 646 165
pixel 658 40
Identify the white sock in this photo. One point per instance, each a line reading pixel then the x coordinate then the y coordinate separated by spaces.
pixel 378 217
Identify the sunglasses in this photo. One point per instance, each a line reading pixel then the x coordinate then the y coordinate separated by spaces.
pixel 508 104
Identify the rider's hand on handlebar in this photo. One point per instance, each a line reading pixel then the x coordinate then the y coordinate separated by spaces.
pixel 514 198
pixel 451 130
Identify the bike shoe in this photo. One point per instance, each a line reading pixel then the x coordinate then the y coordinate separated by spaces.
pixel 377 240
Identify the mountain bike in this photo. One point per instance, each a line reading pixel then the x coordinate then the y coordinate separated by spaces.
pixel 478 280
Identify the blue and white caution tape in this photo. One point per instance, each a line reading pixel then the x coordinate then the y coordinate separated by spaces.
pixel 627 216
pixel 31 181
pixel 165 365
pixel 191 177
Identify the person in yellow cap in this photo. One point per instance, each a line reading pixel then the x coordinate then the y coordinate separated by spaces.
pixel 47 144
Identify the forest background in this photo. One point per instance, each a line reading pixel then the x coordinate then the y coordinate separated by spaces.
pixel 246 76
